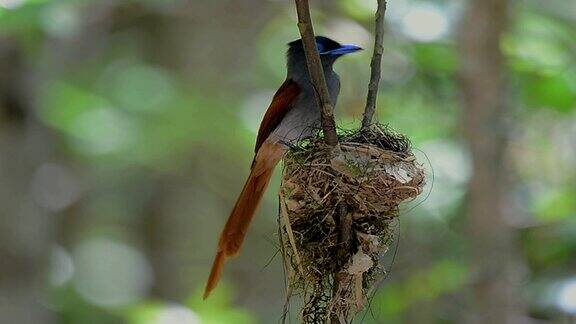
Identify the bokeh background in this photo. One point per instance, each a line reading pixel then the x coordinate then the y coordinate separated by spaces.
pixel 127 128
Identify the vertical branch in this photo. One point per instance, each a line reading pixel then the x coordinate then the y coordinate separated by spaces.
pixel 375 66
pixel 483 85
pixel 316 72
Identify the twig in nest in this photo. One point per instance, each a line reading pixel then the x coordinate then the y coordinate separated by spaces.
pixel 316 72
pixel 375 66
pixel 286 224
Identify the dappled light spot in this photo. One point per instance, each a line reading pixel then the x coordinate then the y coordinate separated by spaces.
pixel 11 4
pixel 425 23
pixel 349 31
pixel 360 9
pixel 54 187
pixel 566 298
pixel 104 130
pixel 60 19
pixel 110 273
pixel 254 107
pixel 138 88
pixel 61 266
pixel 177 314
pixel 452 170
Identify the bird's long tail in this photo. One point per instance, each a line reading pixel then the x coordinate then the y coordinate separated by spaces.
pixel 241 216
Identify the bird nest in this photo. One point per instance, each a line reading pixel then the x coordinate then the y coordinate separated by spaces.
pixel 336 215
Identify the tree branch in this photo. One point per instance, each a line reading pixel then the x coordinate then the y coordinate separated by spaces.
pixel 375 66
pixel 484 87
pixel 316 72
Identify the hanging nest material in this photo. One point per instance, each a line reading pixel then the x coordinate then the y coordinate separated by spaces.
pixel 336 216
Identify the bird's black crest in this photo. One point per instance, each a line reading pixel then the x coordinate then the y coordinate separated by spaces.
pixel 324 44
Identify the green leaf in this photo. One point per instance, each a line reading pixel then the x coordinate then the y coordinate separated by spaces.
pixel 550 91
pixel 435 57
pixel 218 308
pixel 557 205
pixel 538 43
pixel 359 9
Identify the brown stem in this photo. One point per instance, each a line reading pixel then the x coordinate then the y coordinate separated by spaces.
pixel 375 66
pixel 316 72
pixel 495 253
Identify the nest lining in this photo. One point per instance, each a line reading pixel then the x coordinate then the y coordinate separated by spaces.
pixel 336 217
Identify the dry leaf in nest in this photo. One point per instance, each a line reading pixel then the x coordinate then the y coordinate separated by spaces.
pixel 334 264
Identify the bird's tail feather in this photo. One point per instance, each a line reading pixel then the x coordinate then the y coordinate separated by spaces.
pixel 241 216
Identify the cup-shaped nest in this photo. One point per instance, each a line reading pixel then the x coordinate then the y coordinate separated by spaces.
pixel 337 208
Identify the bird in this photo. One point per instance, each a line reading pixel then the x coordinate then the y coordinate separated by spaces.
pixel 294 114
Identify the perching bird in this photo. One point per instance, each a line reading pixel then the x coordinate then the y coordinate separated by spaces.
pixel 293 115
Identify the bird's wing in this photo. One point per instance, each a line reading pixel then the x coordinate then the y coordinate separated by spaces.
pixel 281 104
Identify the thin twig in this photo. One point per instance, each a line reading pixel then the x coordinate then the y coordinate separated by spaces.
pixel 286 222
pixel 316 72
pixel 375 66
pixel 288 271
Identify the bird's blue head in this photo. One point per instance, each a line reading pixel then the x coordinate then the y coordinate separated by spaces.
pixel 329 49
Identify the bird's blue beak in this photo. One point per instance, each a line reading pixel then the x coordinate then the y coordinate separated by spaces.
pixel 343 50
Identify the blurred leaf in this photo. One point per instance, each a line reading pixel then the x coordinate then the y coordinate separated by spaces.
pixel 556 205
pixel 64 102
pixel 138 87
pixel 539 43
pixel 217 309
pixel 21 18
pixel 359 9
pixel 391 301
pixel 72 308
pixel 550 246
pixel 426 284
pixel 422 119
pixel 447 276
pixel 153 312
pixel 93 124
pixel 143 313
pixel 61 19
pixel 188 120
pixel 550 91
pixel 435 57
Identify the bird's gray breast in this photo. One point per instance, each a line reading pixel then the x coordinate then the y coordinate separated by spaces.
pixel 303 120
